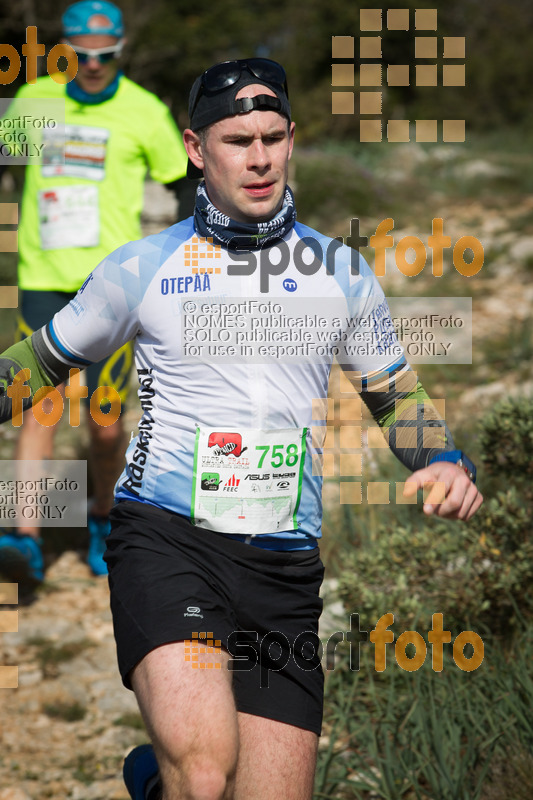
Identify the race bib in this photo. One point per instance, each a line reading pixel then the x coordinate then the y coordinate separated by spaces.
pixel 75 151
pixel 247 481
pixel 69 217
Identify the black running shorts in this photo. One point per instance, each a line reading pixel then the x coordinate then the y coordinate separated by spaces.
pixel 171 581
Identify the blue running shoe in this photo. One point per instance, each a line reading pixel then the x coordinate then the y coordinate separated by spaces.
pixel 21 559
pixel 99 528
pixel 141 774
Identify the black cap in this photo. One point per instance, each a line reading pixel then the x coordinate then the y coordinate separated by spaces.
pixel 211 107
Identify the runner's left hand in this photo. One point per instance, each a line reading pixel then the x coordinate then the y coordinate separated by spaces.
pixel 451 492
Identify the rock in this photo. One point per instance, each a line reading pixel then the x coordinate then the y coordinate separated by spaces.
pixel 160 208
pixel 68 565
pixel 410 153
pixel 334 618
pixel 522 249
pixel 478 168
pixel 112 699
pixel 56 630
pixel 115 739
pixel 446 152
pixel 329 588
pixel 14 794
pixel 119 793
pixel 64 691
pixel 96 791
pixel 100 632
pixel 491 392
pixel 29 675
pixel 101 790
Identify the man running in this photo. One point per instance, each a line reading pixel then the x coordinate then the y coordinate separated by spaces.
pixel 75 213
pixel 214 567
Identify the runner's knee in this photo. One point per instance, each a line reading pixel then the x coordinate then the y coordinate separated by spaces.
pixel 198 777
pixel 206 781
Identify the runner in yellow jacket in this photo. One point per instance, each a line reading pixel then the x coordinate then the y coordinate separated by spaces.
pixel 74 212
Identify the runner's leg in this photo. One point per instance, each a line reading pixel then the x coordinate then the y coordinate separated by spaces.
pixel 190 715
pixel 106 459
pixel 276 760
pixel 35 443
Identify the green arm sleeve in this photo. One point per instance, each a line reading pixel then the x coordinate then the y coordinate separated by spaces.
pixel 410 422
pixel 20 356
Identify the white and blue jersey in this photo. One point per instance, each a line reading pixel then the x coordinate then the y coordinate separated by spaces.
pixel 233 352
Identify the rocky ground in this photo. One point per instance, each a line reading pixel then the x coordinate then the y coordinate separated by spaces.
pixel 68 726
pixel 65 730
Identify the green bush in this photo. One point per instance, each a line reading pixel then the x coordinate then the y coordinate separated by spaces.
pixel 332 188
pixel 428 735
pixel 453 734
pixel 478 574
pixel 507 442
pixel 69 712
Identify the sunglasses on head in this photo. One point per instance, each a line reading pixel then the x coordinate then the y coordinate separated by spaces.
pixel 102 54
pixel 221 76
